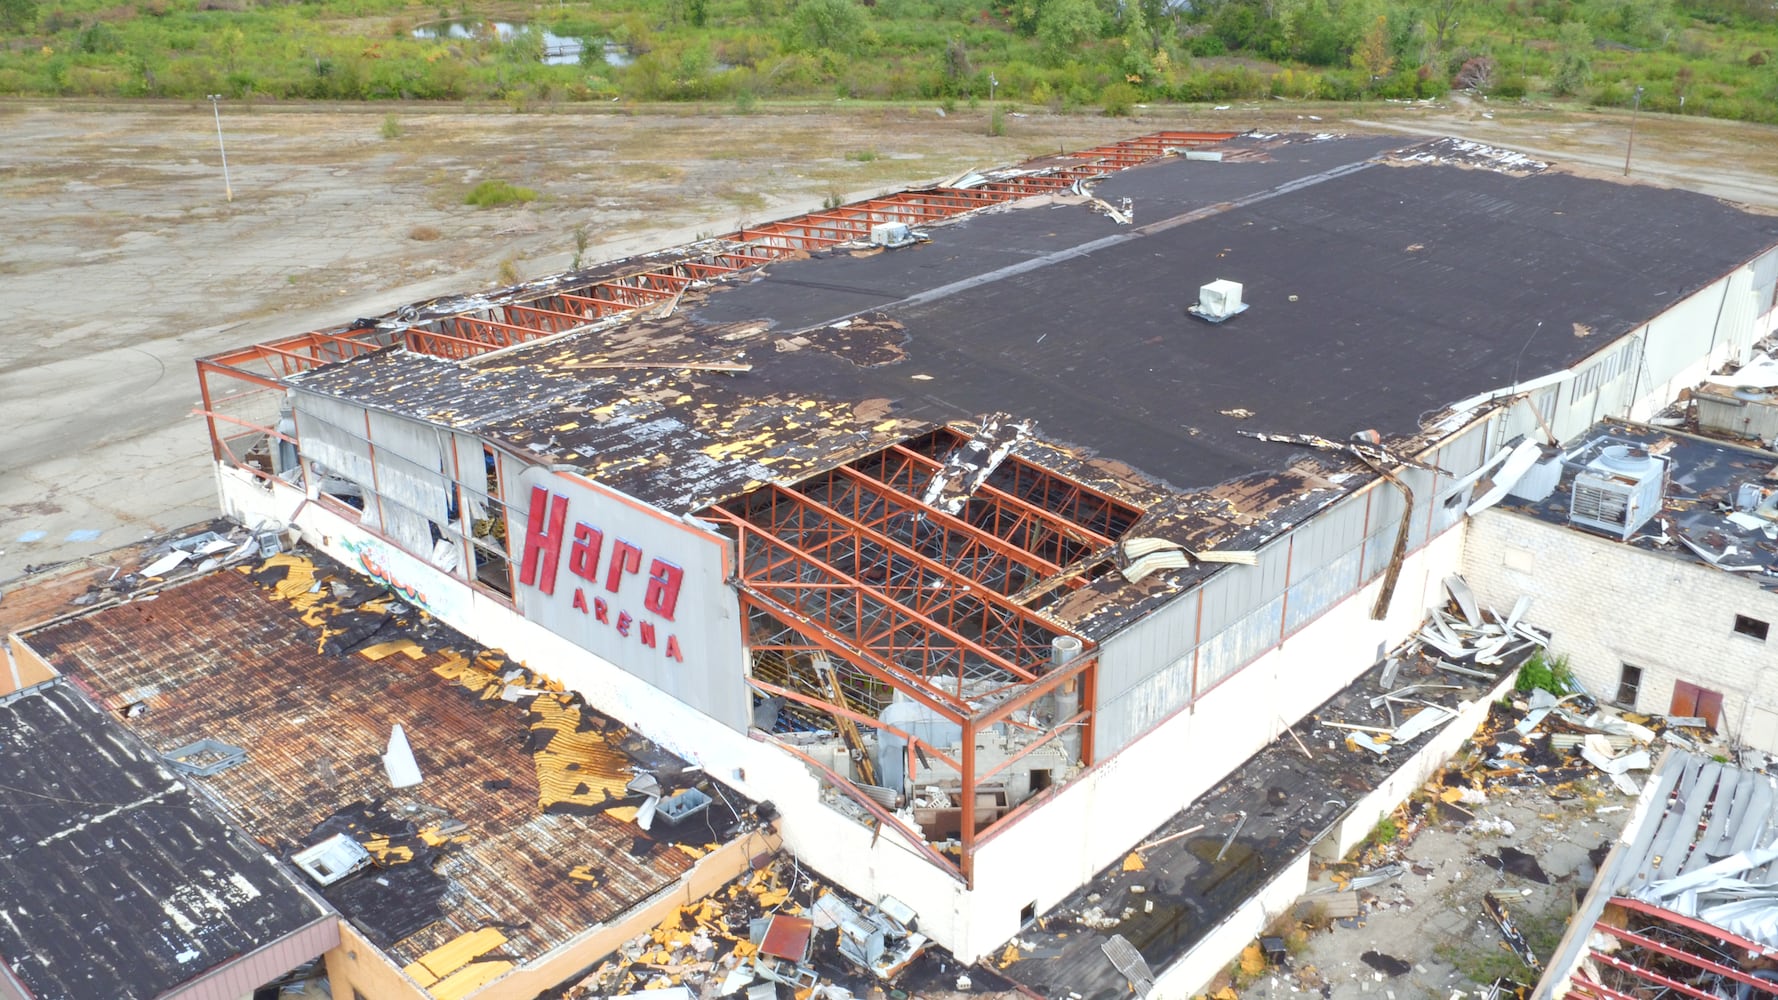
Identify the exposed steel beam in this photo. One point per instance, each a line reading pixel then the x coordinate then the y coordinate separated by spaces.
pixel 1699 961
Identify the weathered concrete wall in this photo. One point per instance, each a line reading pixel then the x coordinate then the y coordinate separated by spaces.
pixel 1607 604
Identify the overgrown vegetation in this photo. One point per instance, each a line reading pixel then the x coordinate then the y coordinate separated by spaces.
pixel 1551 673
pixel 1710 57
pixel 492 194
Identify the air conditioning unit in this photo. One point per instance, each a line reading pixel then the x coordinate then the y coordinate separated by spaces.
pixel 891 235
pixel 1618 487
pixel 1219 300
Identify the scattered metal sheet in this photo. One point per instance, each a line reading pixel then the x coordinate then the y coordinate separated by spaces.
pixel 1380 749
pixel 1423 721
pixel 1128 961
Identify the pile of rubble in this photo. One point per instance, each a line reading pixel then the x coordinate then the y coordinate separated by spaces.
pixel 778 931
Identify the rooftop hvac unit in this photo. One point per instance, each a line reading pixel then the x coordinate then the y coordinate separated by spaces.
pixel 1745 411
pixel 1219 300
pixel 891 235
pixel 1618 489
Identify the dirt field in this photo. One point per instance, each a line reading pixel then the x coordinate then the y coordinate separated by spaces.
pixel 126 262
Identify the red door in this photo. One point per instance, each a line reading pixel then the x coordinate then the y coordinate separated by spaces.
pixel 1690 699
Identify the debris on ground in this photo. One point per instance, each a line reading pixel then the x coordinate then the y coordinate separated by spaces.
pixel 782 931
pixel 1465 889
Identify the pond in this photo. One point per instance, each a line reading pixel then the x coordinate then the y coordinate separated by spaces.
pixel 558 50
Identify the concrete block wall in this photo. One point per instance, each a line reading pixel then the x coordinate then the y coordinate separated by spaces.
pixel 1607 604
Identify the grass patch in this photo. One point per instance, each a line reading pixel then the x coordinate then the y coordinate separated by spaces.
pixel 1483 965
pixel 391 128
pixel 424 234
pixel 861 155
pixel 492 194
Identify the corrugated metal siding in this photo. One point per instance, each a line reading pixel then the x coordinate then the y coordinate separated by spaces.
pixel 242 976
pixel 1117 723
pixel 1765 280
pixel 1234 647
pixel 1147 671
pixel 1132 655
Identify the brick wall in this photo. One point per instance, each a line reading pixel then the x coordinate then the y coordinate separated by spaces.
pixel 1607 604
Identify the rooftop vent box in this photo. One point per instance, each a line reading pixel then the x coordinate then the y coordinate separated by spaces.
pixel 1617 487
pixel 891 235
pixel 1219 300
pixel 332 859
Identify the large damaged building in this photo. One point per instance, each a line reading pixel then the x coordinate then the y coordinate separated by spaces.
pixel 983 528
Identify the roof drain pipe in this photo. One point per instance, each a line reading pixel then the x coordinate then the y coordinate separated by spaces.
pixel 1380 610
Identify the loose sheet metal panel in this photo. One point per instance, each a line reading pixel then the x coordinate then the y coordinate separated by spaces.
pixel 641 589
pixel 410 463
pixel 472 470
pixel 331 432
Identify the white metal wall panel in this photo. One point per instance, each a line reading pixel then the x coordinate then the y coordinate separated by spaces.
pixel 1234 647
pixel 1765 280
pixel 1118 722
pixel 1132 655
pixel 1321 589
pixel 600 590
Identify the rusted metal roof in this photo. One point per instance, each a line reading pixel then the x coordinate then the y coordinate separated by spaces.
pixel 289 675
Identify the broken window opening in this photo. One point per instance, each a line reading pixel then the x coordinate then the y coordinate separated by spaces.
pixel 1752 627
pixel 1027 913
pixel 1629 686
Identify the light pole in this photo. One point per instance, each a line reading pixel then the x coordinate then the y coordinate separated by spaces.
pixel 993 81
pixel 1635 106
pixel 216 109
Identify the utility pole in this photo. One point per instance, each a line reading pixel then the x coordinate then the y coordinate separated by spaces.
pixel 1631 145
pixel 229 189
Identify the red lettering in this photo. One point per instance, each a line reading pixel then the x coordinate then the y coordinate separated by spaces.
pixel 583 556
pixel 543 545
pixel 663 588
pixel 673 648
pixel 599 609
pixel 580 600
pixel 647 634
pixel 626 557
pixel 623 623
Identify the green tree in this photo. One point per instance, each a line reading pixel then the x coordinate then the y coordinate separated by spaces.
pixel 1065 24
pixel 1373 54
pixel 828 24
pixel 17 15
pixel 1138 61
pixel 1574 58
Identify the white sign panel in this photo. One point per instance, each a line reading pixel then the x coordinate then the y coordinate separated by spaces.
pixel 642 590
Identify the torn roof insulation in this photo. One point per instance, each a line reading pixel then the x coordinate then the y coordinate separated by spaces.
pixel 1385 283
pixel 1720 507
pixel 522 820
pixel 143 887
